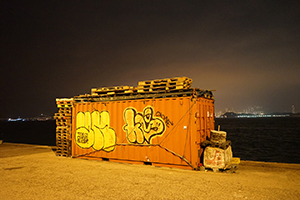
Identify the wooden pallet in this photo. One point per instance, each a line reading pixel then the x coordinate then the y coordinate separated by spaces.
pixel 67 154
pixel 167 81
pixel 61 123
pixel 170 84
pixel 87 98
pixel 63 152
pixel 63 135
pixel 149 95
pixel 63 117
pixel 164 85
pixel 63 138
pixel 151 86
pixel 78 99
pixel 64 143
pixel 68 120
pixel 64 102
pixel 113 90
pixel 64 99
pixel 60 138
pixel 64 105
pixel 63 126
pixel 151 89
pixel 65 148
pixel 62 114
pixel 114 94
pixel 65 110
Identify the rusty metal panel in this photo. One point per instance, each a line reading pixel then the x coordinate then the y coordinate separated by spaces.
pixel 162 131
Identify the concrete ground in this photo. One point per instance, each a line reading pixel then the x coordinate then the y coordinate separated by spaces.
pixel 34 172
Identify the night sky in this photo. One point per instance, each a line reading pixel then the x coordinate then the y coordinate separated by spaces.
pixel 248 51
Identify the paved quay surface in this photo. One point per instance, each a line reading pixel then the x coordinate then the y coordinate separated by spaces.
pixel 34 172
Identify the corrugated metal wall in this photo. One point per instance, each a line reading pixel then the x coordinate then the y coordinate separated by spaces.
pixel 163 131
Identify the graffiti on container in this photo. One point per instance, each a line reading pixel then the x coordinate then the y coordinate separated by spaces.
pixel 82 137
pixel 93 130
pixel 141 127
pixel 165 118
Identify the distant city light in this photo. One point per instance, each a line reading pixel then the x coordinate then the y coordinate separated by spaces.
pixel 42 117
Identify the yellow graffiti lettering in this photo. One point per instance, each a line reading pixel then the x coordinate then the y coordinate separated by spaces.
pixel 133 126
pixel 83 135
pixel 142 127
pixel 93 130
pixel 109 134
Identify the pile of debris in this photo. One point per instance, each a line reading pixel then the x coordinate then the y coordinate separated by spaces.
pixel 218 152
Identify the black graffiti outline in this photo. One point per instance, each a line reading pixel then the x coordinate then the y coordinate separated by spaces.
pixel 145 123
pixel 168 122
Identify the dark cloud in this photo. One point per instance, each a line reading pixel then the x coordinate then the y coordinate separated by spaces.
pixel 247 51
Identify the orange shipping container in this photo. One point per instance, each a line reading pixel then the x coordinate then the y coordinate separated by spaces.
pixel 162 132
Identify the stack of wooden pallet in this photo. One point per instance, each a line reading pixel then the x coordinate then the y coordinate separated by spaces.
pixel 63 126
pixel 164 85
pixel 158 88
pixel 113 91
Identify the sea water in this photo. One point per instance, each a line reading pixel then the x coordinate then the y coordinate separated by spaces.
pixel 263 139
pixel 29 132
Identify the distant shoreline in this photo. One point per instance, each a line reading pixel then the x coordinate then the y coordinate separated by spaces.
pixel 247 115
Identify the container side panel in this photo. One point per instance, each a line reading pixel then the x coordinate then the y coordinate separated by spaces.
pixel 205 122
pixel 175 139
pixel 162 131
